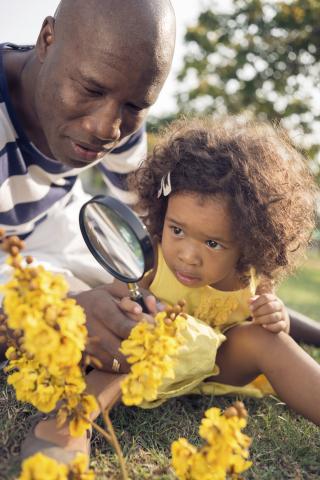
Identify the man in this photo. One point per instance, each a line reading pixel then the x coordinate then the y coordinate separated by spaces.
pixel 79 97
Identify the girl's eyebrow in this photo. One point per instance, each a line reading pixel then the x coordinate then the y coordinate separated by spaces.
pixel 216 238
pixel 173 220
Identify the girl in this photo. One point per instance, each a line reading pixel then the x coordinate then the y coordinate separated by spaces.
pixel 231 207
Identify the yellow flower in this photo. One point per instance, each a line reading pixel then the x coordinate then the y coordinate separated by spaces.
pixel 182 457
pixel 86 406
pixel 224 453
pixel 151 350
pixel 33 384
pixel 202 469
pixel 40 467
pixel 79 469
pixel 44 366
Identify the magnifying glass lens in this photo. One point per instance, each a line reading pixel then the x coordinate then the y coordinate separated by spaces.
pixel 118 240
pixel 114 241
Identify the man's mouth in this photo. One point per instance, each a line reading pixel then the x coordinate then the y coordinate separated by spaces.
pixel 89 152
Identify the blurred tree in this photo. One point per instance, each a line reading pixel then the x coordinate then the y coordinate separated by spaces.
pixel 262 57
pixel 155 125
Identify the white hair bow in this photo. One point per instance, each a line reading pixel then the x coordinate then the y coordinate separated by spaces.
pixel 165 185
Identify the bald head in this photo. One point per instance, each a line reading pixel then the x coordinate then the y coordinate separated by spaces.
pixel 142 27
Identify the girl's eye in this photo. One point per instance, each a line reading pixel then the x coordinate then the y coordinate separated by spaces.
pixel 176 231
pixel 212 244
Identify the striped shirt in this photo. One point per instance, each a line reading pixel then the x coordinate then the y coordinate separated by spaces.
pixel 33 186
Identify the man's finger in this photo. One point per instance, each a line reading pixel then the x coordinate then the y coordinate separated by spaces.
pixel 101 308
pixel 130 306
pixel 109 357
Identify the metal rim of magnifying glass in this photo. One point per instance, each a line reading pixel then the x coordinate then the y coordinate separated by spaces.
pixel 135 224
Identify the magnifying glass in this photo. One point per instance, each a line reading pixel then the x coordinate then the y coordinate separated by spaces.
pixel 118 240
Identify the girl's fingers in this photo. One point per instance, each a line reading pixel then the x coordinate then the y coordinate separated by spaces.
pixel 273 318
pixel 265 304
pixel 268 309
pixel 259 300
pixel 151 304
pixel 275 327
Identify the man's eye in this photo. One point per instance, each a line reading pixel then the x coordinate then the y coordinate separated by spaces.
pixel 93 93
pixel 135 108
pixel 212 244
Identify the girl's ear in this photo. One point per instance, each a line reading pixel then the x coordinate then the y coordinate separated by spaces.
pixel 45 38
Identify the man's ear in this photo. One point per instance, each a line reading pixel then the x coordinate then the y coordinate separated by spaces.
pixel 45 38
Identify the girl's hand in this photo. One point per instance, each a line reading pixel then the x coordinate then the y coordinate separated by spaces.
pixel 269 312
pixel 134 311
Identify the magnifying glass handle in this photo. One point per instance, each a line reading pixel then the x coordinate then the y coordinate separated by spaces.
pixel 136 296
pixel 141 302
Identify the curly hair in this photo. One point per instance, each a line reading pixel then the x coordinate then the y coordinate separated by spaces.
pixel 270 190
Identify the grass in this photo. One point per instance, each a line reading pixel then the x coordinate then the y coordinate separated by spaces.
pixel 285 446
pixel 301 291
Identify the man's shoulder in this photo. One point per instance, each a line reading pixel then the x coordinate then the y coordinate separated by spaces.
pixel 14 47
pixel 129 154
pixel 7 130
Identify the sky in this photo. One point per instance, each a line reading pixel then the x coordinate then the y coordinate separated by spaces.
pixel 20 22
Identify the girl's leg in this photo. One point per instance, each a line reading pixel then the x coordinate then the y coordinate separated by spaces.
pixel 294 375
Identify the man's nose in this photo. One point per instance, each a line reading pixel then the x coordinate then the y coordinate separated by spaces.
pixel 104 122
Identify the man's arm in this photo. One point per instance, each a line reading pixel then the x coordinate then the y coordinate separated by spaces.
pixel 304 329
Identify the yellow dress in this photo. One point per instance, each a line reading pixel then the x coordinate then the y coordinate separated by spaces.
pixel 210 313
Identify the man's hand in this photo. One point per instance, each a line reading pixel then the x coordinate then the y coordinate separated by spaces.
pixel 269 312
pixel 108 325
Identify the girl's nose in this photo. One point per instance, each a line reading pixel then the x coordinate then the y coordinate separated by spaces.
pixel 104 123
pixel 189 255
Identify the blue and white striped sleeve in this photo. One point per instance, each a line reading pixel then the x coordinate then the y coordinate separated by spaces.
pixel 123 160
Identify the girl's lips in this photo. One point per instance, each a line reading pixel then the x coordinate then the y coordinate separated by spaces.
pixel 186 279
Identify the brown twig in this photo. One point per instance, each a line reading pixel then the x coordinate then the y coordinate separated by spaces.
pixel 115 444
pixel 110 435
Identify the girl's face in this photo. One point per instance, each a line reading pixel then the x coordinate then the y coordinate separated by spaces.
pixel 198 243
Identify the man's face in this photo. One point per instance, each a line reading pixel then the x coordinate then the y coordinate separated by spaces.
pixel 90 94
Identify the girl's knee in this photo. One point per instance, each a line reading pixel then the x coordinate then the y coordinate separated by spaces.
pixel 254 339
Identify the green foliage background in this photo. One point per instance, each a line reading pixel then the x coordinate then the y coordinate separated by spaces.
pixel 262 58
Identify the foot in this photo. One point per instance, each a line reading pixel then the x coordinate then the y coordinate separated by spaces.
pixel 56 443
pixel 47 430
